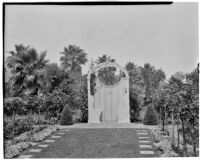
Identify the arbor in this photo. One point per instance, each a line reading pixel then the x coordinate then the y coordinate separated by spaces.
pixel 26 65
pixel 106 75
pixel 72 58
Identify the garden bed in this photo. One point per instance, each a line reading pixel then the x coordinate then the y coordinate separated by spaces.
pixel 163 143
pixel 27 139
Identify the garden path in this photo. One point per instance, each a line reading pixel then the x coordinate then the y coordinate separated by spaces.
pixel 96 141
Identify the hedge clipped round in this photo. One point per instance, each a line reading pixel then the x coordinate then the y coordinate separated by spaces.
pixel 150 117
pixel 66 116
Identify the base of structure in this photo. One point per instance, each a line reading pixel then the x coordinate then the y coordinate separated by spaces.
pixel 109 122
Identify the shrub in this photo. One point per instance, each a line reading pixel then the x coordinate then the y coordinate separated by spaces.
pixel 13 104
pixel 20 126
pixel 150 117
pixel 84 115
pixel 66 116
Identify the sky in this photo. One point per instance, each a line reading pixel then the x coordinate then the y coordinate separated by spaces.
pixel 165 36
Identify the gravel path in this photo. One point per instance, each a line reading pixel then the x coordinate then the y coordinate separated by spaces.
pixel 95 143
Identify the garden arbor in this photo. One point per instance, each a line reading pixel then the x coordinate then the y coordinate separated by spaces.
pixel 109 103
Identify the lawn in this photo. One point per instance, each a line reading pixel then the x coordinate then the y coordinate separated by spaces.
pixel 94 143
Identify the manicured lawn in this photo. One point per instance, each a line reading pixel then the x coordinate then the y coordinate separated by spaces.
pixel 94 143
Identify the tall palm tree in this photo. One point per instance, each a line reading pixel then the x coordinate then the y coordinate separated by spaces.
pixel 152 78
pixel 72 58
pixel 147 72
pixel 158 76
pixel 25 65
pixel 134 72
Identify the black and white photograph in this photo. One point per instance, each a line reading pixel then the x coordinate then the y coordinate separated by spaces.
pixel 100 79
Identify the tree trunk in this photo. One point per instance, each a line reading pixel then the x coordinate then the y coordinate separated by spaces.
pixel 194 140
pixel 178 133
pixel 39 118
pixel 163 121
pixel 166 122
pixel 172 128
pixel 160 119
pixel 184 142
pixel 13 124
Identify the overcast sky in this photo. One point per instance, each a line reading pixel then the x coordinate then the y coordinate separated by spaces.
pixel 164 35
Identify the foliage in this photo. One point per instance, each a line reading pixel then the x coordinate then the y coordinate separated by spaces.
pixel 53 77
pixel 150 117
pixel 106 75
pixel 13 105
pixel 44 133
pixel 181 96
pixel 20 126
pixel 136 87
pixel 26 64
pixel 84 100
pixel 152 77
pixel 54 104
pixel 66 116
pixel 72 58
pixel 135 103
pixel 25 140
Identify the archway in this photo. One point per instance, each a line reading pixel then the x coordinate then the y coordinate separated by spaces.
pixel 109 103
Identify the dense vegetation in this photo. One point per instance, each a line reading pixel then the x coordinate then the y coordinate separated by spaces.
pixel 38 87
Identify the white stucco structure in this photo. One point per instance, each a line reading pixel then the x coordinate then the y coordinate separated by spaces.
pixel 109 103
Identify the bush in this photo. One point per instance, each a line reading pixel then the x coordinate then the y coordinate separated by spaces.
pixel 15 104
pixel 84 115
pixel 20 126
pixel 66 116
pixel 150 117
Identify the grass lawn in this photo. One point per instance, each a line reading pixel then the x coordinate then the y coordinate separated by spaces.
pixel 94 143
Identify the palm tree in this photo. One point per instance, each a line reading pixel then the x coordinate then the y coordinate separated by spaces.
pixel 152 78
pixel 147 72
pixel 25 65
pixel 135 76
pixel 72 58
pixel 158 76
pixel 104 58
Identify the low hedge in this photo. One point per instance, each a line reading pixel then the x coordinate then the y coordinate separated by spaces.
pixel 20 126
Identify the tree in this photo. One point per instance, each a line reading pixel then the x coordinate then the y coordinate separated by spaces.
pixel 135 77
pixel 26 65
pixel 152 78
pixel 180 98
pixel 136 87
pixel 53 76
pixel 147 73
pixel 72 58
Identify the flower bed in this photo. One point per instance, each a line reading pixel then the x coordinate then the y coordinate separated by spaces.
pixel 163 143
pixel 25 140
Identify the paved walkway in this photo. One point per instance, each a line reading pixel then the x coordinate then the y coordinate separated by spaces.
pixel 96 141
pixel 109 125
